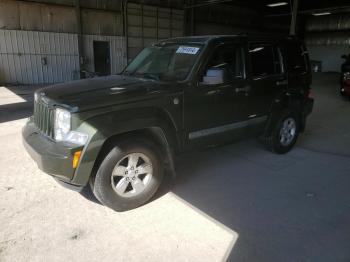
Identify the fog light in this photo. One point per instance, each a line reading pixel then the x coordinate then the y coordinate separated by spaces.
pixel 76 158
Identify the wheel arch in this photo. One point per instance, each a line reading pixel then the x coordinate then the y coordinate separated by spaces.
pixel 284 101
pixel 154 133
pixel 156 125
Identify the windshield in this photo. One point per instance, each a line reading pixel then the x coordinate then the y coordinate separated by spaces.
pixel 171 62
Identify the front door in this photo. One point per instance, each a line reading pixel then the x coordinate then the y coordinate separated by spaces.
pixel 213 110
pixel 102 58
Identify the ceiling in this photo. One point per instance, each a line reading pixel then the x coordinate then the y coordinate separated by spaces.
pixel 305 6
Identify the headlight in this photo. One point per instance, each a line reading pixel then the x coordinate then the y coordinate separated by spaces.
pixel 62 129
pixel 77 138
pixel 62 124
pixel 346 76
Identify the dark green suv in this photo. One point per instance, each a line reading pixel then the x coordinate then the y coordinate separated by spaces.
pixel 119 134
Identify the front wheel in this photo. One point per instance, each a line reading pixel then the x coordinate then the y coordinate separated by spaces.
pixel 129 175
pixel 285 133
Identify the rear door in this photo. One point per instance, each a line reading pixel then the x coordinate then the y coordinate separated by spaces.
pixel 267 77
pixel 298 66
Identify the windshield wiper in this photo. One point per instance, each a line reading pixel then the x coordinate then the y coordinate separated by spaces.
pixel 151 76
pixel 126 73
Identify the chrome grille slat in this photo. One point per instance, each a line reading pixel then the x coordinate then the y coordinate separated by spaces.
pixel 50 126
pixel 43 118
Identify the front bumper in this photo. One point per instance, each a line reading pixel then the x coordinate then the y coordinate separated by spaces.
pixel 52 158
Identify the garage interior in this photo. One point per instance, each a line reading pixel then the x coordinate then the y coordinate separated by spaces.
pixel 46 42
pixel 237 202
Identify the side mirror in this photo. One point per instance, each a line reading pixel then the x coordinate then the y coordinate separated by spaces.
pixel 344 56
pixel 214 76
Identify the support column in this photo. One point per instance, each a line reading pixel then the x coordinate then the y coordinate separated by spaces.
pixel 293 23
pixel 193 26
pixel 80 38
pixel 125 16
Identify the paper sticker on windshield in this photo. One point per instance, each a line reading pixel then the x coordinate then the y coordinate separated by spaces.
pixel 187 50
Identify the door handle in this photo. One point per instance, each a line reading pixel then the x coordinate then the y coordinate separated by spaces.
pixel 243 89
pixel 213 92
pixel 282 82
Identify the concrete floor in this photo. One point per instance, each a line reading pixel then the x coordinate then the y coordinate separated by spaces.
pixel 237 202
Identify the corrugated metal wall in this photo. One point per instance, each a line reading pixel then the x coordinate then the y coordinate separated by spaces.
pixel 216 29
pixel 329 55
pixel 336 22
pixel 95 22
pixel 117 52
pixel 148 24
pixel 339 38
pixel 39 42
pixel 15 15
pixel 328 38
pixel 225 19
pixel 28 57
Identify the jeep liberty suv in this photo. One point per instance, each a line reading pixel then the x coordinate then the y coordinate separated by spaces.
pixel 119 134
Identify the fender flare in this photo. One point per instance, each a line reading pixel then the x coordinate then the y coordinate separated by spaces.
pixel 159 126
pixel 283 101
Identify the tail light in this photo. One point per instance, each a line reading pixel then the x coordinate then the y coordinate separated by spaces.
pixel 308 94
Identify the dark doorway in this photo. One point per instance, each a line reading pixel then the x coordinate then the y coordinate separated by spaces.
pixel 102 58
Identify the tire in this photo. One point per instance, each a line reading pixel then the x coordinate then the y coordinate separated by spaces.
pixel 274 141
pixel 122 182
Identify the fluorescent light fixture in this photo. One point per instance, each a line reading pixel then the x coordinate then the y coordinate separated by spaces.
pixel 277 4
pixel 257 49
pixel 321 13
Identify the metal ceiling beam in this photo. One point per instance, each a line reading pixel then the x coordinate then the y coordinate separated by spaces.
pixel 333 10
pixel 126 35
pixel 72 4
pixel 80 38
pixel 207 3
pixel 293 22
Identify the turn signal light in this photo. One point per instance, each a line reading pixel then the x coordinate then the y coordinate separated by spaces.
pixel 76 158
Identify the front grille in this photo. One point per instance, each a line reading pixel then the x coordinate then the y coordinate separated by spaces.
pixel 43 118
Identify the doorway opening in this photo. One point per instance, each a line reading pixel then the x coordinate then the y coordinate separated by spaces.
pixel 102 58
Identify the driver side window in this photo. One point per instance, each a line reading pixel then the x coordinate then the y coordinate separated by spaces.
pixel 226 60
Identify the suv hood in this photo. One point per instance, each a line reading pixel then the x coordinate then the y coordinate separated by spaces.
pixel 103 91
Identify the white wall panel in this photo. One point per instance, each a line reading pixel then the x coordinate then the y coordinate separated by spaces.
pixel 28 57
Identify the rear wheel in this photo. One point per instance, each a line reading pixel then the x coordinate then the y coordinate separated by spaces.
pixel 285 133
pixel 129 175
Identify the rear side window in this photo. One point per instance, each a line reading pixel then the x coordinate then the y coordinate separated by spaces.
pixel 265 60
pixel 296 58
